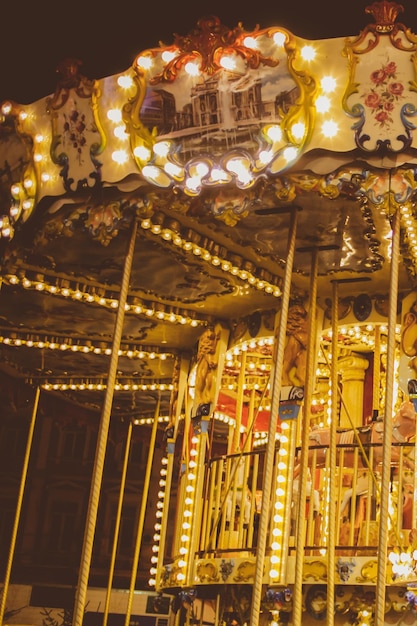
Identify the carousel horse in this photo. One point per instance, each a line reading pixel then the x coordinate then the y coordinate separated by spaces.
pixel 403 430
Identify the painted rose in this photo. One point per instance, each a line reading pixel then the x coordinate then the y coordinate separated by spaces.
pixel 391 69
pixel 384 94
pixel 372 100
pixel 396 89
pixel 378 76
pixel 381 117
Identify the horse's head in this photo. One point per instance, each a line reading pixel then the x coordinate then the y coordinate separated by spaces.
pixel 405 420
pixel 407 411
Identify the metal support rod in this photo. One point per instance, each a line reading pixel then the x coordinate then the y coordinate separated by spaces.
pixel 311 359
pixel 97 477
pixel 270 448
pixel 386 444
pixel 331 561
pixel 117 525
pixel 141 520
pixel 12 546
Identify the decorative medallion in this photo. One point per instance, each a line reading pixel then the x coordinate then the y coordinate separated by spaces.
pixel 362 307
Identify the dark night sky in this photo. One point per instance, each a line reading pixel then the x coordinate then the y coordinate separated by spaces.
pixel 106 37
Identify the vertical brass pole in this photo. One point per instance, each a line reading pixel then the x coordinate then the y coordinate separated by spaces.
pixel 377 365
pixel 117 525
pixel 12 546
pixel 311 358
pixel 270 448
pixel 97 477
pixel 386 444
pixel 141 519
pixel 239 405
pixel 182 389
pixel 332 526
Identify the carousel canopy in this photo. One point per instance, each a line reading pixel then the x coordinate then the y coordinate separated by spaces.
pixel 191 165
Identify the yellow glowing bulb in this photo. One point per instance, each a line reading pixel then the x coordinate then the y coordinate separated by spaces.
pixel 279 39
pixel 145 62
pixel 328 84
pixel 192 68
pixel 330 128
pixel 308 53
pixel 322 104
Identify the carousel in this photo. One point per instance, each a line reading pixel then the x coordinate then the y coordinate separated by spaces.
pixel 220 241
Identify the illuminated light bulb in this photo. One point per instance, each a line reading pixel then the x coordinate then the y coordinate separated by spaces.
pixel 119 156
pixel 173 170
pixel 298 130
pixel 193 183
pixel 120 133
pixel 228 63
pixel 218 174
pixel 279 39
pixel 37 157
pixel 115 115
pixel 161 148
pixel 273 573
pixel 329 128
pixel 125 81
pixel 6 108
pixel 250 42
pixel 142 153
pixel 168 55
pixel 192 68
pixel 144 62
pixel 182 563
pixel 328 84
pixel 274 133
pixel 202 169
pixel 308 53
pixel 322 104
pixel 290 153
pixel 265 156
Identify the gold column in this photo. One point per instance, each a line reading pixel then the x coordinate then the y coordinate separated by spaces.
pixel 352 369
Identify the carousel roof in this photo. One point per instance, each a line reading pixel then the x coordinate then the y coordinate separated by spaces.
pixel 208 147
